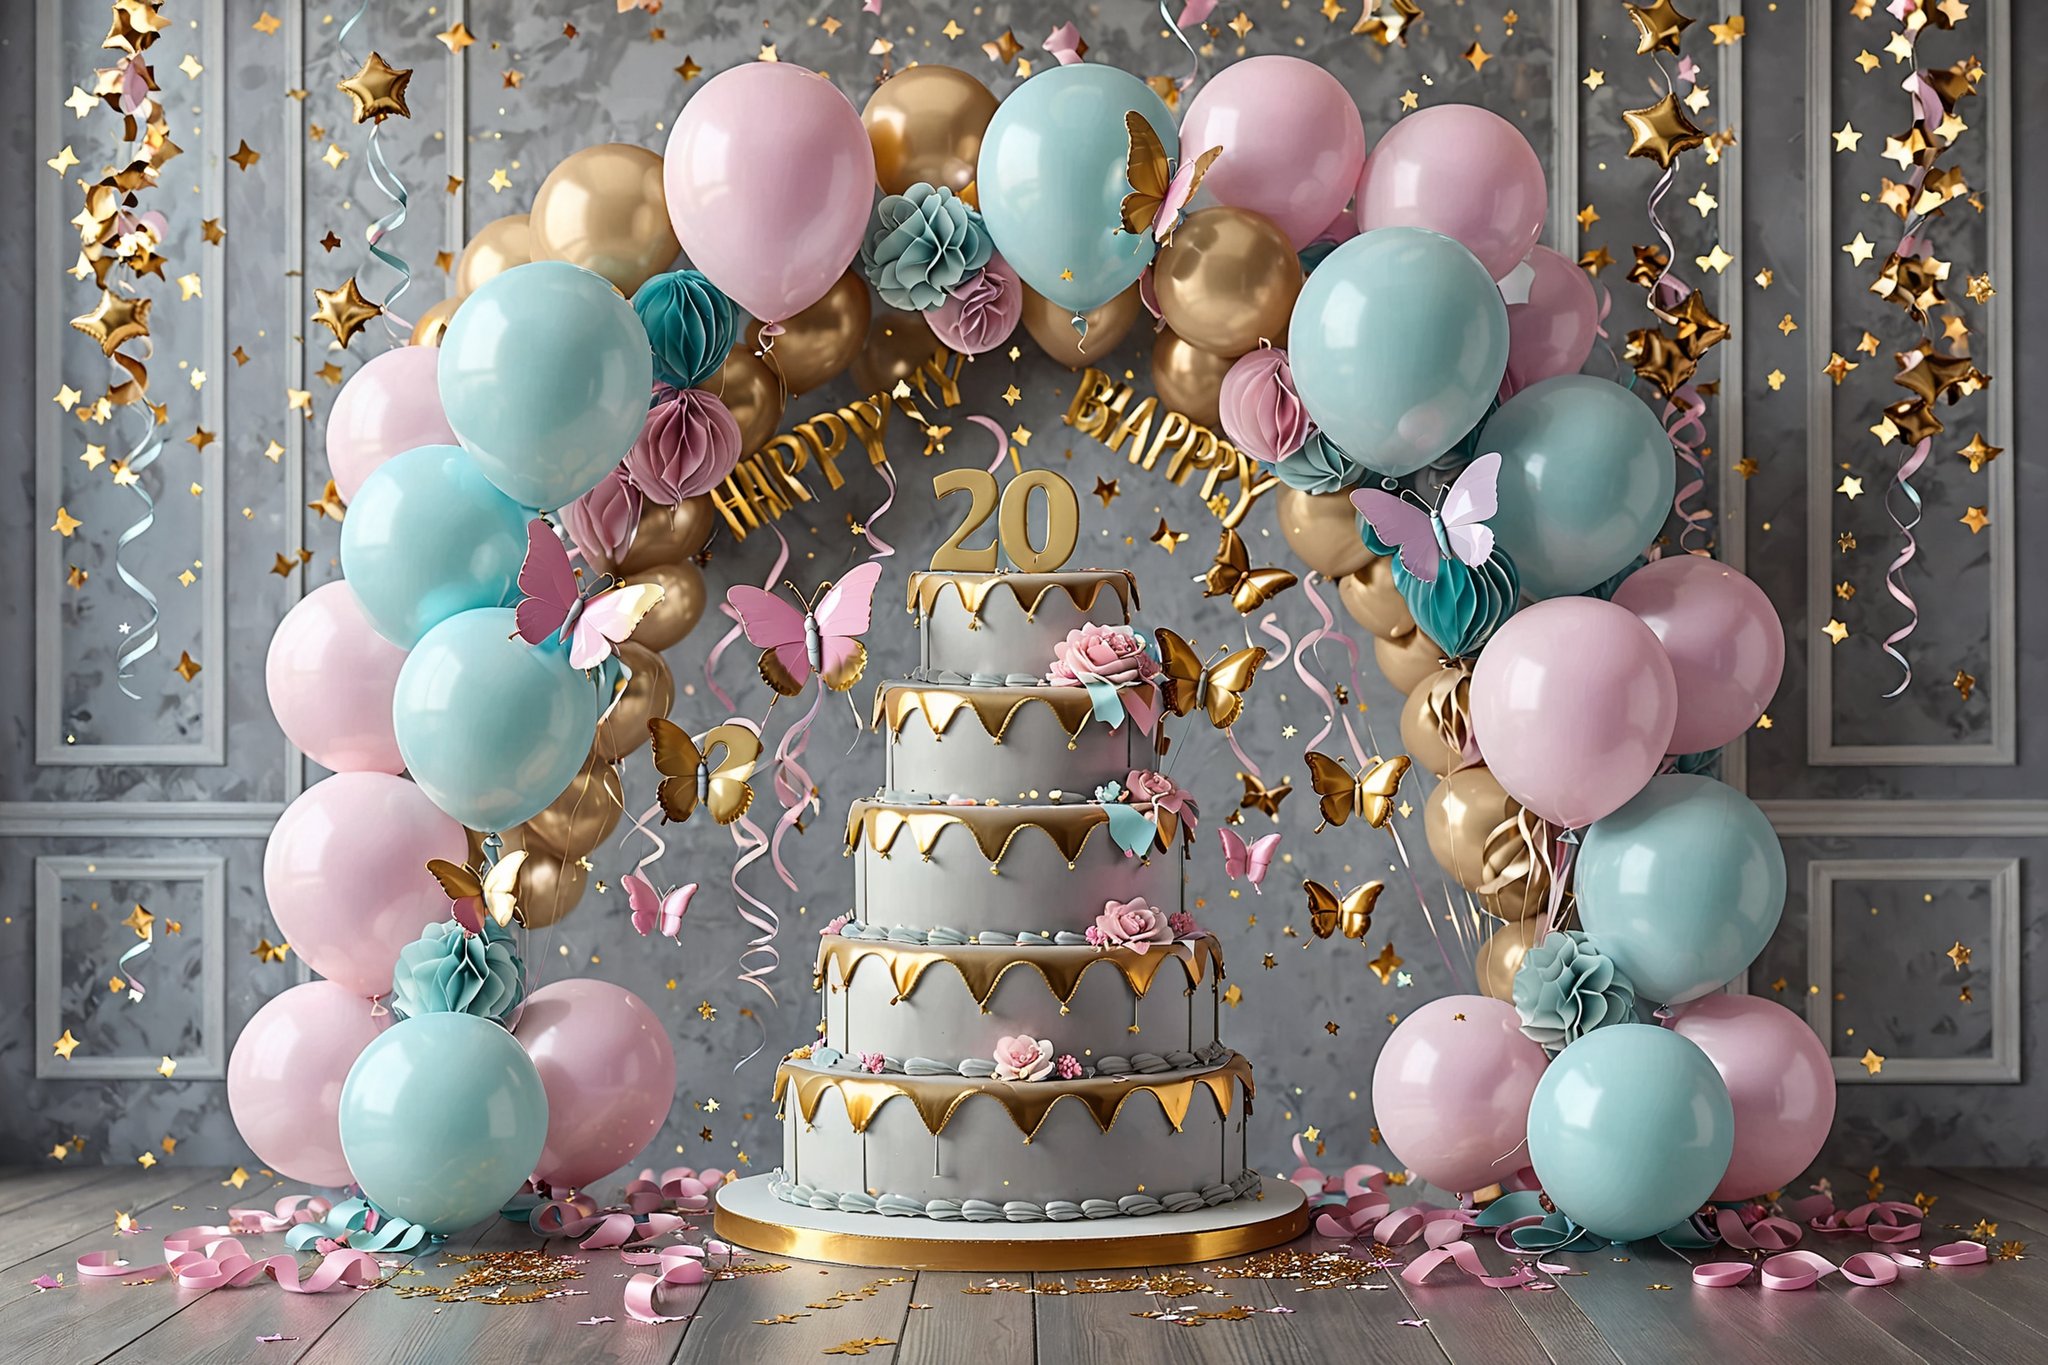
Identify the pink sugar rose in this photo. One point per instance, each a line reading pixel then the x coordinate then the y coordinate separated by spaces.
pixel 1068 1067
pixel 1113 654
pixel 981 311
pixel 1183 925
pixel 835 924
pixel 872 1062
pixel 1023 1058
pixel 1132 924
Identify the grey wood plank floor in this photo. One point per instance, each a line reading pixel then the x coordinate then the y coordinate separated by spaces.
pixel 1615 1311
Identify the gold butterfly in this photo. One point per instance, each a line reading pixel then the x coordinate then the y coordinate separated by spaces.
pixel 1352 912
pixel 1371 795
pixel 1158 191
pixel 496 886
pixel 1233 576
pixel 689 776
pixel 1259 796
pixel 1220 688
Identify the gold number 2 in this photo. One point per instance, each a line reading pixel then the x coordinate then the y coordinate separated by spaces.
pixel 1062 521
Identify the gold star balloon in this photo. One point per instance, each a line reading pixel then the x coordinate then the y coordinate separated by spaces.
pixel 1657 27
pixel 1662 132
pixel 378 90
pixel 1659 359
pixel 344 311
pixel 116 321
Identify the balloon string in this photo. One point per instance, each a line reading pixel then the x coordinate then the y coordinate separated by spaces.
pixel 1194 57
pixel 137 643
pixel 733 633
pixel 1894 581
pixel 1304 650
pixel 760 958
pixel 640 826
pixel 1683 424
pixel 392 188
pixel 136 990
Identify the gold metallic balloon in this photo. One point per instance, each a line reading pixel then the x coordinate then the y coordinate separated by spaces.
pixel 1374 602
pixel 493 249
pixel 434 322
pixel 749 389
pixel 1460 816
pixel 1322 528
pixel 680 608
pixel 1189 379
pixel 603 208
pixel 670 535
pixel 819 343
pixel 1227 280
pixel 549 887
pixel 1436 722
pixel 897 343
pixel 926 123
pixel 1500 957
pixel 1052 327
pixel 1408 660
pixel 584 815
pixel 648 692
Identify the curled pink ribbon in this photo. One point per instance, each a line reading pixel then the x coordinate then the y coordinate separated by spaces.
pixel 207 1258
pixel 1684 412
pixel 678 1187
pixel 1789 1271
pixel 1465 1257
pixel 288 1212
pixel 994 429
pixel 676 1267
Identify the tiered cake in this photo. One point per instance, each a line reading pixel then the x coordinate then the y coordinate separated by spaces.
pixel 988 1058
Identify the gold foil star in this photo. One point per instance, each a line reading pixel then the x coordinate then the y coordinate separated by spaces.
pixel 1594 78
pixel 1847 138
pixel 1661 131
pixel 65 523
pixel 1959 955
pixel 1716 260
pixel 1476 55
pixel 1979 452
pixel 188 667
pixel 140 921
pixel 499 181
pixel 1964 684
pixel 1003 50
pixel 266 951
pixel 1872 1061
pixel 1838 367
pixel 1106 489
pixel 1835 631
pixel 1850 487
pixel 456 38
pixel 237 1178
pixel 1166 538
pixel 1729 33
pixel 65 1045
pixel 167 1068
pixel 1232 995
pixel 1976 518
pixel 1386 964
pixel 378 90
pixel 1241 25
pixel 1657 27
pixel 344 311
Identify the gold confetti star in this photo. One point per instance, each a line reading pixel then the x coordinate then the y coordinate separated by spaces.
pixel 344 311
pixel 1330 1027
pixel 1964 684
pixel 167 1068
pixel 329 504
pixel 63 161
pixel 1232 995
pixel 2010 1251
pixel 513 78
pixel 1959 955
pixel 1859 250
pixel 1476 55
pixel 80 104
pixel 1386 964
pixel 1850 487
pixel 706 1010
pixel 211 230
pixel 1979 452
pixel 65 1045
pixel 146 1160
pixel 1867 60
pixel 1838 367
pixel 377 91
pixel 1106 489
pixel 237 1178
pixel 265 950
pixel 1746 467
pixel 1704 202
pixel 1716 260
pixel 499 181
pixel 1729 33
pixel 458 37
pixel 1004 49
pixel 1845 591
pixel 1847 138
pixel 689 70
pixel 1763 278
pixel 1596 260
pixel 767 53
pixel 1786 326
pixel 65 523
pixel 266 23
pixel 1872 1061
pixel 334 156
pixel 329 241
pixel 1984 1229
pixel 74 577
pixel 952 31
pixel 1976 518
pixel 1011 395
pixel 1776 379
pixel 1410 100
pixel 1588 216
pixel 1594 78
pixel 1979 289
pixel 1835 631
pixel 1241 25
pixel 188 667
pixel 1166 538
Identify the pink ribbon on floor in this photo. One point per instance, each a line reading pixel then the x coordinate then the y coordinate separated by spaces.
pixel 678 1187
pixel 288 1212
pixel 208 1258
pixel 675 1267
pixel 1795 1270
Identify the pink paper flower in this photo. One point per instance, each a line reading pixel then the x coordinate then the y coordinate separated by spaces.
pixel 602 521
pixel 1020 1057
pixel 871 1062
pixel 688 443
pixel 1261 411
pixel 1132 924
pixel 981 311
pixel 835 924
pixel 1183 925
pixel 1068 1067
pixel 1113 654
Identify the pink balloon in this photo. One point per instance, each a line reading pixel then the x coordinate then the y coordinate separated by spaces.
pixel 1552 333
pixel 1779 1079
pixel 1573 704
pixel 1460 170
pixel 285 1076
pixel 1292 141
pixel 346 875
pixel 609 1071
pixel 770 176
pixel 331 677
pixel 1724 639
pixel 1451 1092
pixel 390 406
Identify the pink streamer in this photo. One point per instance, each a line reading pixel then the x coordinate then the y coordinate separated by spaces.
pixel 676 1267
pixel 288 1212
pixel 995 429
pixel 1466 1258
pixel 1303 662
pixel 208 1258
pixel 1683 414
pixel 1790 1271
pixel 1894 583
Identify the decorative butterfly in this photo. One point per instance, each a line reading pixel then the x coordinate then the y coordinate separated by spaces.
pixel 1352 912
pixel 1456 526
pixel 822 638
pixel 651 908
pixel 689 776
pixel 1249 861
pixel 1259 796
pixel 1220 688
pixel 1370 795
pixel 552 603
pixel 1233 576
pixel 1159 191
pixel 497 886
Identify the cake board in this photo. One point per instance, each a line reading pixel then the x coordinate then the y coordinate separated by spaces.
pixel 749 1215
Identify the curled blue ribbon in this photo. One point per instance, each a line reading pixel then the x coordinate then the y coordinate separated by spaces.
pixel 392 188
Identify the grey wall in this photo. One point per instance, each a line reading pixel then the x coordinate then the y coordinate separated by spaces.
pixel 1908 824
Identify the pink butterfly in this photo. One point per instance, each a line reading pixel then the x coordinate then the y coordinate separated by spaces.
pixel 1249 861
pixel 1065 44
pixel 1457 526
pixel 552 603
pixel 821 638
pixel 651 908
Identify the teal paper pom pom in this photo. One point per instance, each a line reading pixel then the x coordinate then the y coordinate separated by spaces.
pixel 1464 606
pixel 690 324
pixel 1705 763
pixel 924 244
pixel 447 970
pixel 1320 467
pixel 1567 987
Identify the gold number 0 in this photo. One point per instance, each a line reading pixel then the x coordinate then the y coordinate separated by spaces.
pixel 1062 521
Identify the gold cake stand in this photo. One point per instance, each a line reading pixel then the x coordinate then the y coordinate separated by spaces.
pixel 749 1215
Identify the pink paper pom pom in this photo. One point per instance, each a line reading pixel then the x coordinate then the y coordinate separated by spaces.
pixel 1262 413
pixel 688 443
pixel 602 521
pixel 981 312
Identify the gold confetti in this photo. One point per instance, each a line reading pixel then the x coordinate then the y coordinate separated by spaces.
pixel 1976 518
pixel 1964 684
pixel 1835 631
pixel 1872 1061
pixel 458 37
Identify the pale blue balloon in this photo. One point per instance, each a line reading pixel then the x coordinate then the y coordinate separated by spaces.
pixel 428 537
pixel 545 372
pixel 1683 886
pixel 1586 479
pixel 492 728
pixel 1052 174
pixel 1398 343
pixel 1630 1129
pixel 442 1118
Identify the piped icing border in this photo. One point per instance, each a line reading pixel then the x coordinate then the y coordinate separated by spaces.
pixel 994 827
pixel 937 1098
pixel 983 968
pixel 1136 1205
pixel 1082 588
pixel 978 1068
pixel 994 707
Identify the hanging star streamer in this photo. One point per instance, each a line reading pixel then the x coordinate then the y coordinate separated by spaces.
pixel 1894 581
pixel 393 188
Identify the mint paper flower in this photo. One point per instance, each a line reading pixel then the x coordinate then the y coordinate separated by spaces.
pixel 448 970
pixel 925 243
pixel 1567 987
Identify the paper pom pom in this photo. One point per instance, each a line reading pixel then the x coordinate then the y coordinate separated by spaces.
pixel 1319 467
pixel 1705 763
pixel 448 970
pixel 601 522
pixel 1465 605
pixel 1566 988
pixel 690 324
pixel 1262 413
pixel 982 311
pixel 687 445
pixel 925 243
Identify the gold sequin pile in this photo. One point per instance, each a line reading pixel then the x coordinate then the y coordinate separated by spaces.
pixel 502 1277
pixel 1314 1269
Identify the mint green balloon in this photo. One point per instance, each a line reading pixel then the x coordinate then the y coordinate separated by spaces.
pixel 1630 1129
pixel 442 1118
pixel 1053 173
pixel 1586 479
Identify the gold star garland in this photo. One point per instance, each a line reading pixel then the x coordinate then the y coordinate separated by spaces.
pixel 376 92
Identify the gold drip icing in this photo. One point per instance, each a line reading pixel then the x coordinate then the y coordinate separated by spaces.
pixel 1027 1102
pixel 993 827
pixel 994 707
pixel 1028 589
pixel 983 966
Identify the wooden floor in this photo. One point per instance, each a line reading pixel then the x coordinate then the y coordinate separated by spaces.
pixel 1617 1310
